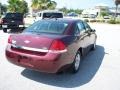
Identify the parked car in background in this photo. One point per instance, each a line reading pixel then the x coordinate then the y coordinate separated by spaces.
pixel 13 21
pixel 93 16
pixel 106 17
pixel 72 14
pixel 47 14
pixel 85 15
pixel 52 45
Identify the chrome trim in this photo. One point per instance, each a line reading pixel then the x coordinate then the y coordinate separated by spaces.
pixel 56 51
pixel 29 48
pixel 39 50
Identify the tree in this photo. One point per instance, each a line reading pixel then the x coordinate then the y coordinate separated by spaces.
pixel 117 2
pixel 43 4
pixel 52 5
pixel 24 6
pixel 35 4
pixel 20 6
pixel 3 9
pixel 65 10
pixel 104 13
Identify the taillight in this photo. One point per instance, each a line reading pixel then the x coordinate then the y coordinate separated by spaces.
pixel 23 21
pixel 10 39
pixel 58 46
pixel 1 21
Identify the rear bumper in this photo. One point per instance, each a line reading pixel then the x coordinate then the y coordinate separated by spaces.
pixel 50 63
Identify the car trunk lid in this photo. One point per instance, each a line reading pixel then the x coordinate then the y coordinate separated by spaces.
pixel 31 42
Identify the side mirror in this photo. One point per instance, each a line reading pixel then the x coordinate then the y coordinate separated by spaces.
pixel 93 30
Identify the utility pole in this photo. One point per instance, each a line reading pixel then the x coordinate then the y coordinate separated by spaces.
pixel 117 2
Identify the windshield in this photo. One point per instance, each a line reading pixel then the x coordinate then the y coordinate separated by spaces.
pixel 55 27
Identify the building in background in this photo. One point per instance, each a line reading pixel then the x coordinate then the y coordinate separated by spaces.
pixel 98 9
pixel 113 11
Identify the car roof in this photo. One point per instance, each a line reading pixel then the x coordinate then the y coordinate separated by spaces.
pixel 50 11
pixel 62 20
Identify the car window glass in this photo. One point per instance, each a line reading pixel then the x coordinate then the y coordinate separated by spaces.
pixel 87 27
pixel 77 31
pixel 52 15
pixel 80 26
pixel 39 14
pixel 55 27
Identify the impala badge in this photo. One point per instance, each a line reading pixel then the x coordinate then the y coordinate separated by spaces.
pixel 13 42
pixel 27 41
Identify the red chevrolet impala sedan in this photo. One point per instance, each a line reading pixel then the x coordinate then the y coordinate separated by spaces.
pixel 51 45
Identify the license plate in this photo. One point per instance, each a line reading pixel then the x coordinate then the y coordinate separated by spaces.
pixel 25 61
pixel 23 57
pixel 4 26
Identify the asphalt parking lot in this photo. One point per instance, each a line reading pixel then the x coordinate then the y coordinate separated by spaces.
pixel 100 70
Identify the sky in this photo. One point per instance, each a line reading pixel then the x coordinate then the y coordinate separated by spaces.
pixel 77 4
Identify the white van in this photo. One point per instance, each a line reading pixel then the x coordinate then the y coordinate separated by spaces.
pixel 46 14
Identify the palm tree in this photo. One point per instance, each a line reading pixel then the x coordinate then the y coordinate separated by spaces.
pixel 117 2
pixel 52 5
pixel 35 4
pixel 43 4
pixel 15 6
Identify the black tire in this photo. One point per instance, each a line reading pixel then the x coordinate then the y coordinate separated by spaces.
pixel 93 46
pixel 76 64
pixel 4 30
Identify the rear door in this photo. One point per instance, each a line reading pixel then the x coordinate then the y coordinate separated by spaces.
pixel 82 37
pixel 91 34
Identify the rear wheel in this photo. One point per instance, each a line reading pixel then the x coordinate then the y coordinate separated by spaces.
pixel 4 30
pixel 76 63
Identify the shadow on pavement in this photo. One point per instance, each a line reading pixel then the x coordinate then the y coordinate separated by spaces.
pixel 88 69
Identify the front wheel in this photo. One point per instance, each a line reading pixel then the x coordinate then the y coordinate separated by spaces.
pixel 76 64
pixel 93 46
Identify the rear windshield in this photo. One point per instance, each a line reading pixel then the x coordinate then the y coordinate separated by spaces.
pixel 52 27
pixel 14 15
pixel 52 15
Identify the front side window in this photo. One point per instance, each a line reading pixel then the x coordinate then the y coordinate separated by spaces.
pixel 55 27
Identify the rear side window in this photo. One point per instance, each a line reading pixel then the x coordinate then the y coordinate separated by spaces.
pixel 52 15
pixel 55 27
pixel 87 27
pixel 79 27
